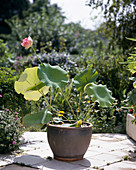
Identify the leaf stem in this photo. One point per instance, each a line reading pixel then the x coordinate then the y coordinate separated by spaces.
pixel 89 111
pixel 50 98
pixel 79 104
pixel 68 103
pixel 48 102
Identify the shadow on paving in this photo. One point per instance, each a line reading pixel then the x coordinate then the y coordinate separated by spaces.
pixel 132 152
pixel 40 163
pixel 17 167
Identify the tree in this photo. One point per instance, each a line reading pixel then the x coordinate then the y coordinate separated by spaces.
pixel 120 16
pixel 9 8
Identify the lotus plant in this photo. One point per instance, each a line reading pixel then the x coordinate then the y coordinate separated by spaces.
pixel 37 82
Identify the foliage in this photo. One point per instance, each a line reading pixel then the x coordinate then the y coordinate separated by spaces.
pixel 36 24
pixel 111 72
pixel 9 98
pixel 10 131
pixel 111 119
pixel 5 55
pixel 55 78
pixel 9 9
pixel 120 20
pixel 46 24
pixel 8 75
pixel 131 62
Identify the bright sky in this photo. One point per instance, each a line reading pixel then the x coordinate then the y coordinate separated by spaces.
pixel 77 11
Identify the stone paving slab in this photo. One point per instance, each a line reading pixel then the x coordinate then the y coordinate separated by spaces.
pixel 106 151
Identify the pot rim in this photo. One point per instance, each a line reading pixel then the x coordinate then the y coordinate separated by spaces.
pixel 64 127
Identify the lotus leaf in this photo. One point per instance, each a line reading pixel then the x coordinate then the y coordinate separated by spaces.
pixel 30 86
pixel 52 76
pixel 100 94
pixel 37 119
pixel 86 76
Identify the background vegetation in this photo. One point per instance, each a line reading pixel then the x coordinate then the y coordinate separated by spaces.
pixel 73 48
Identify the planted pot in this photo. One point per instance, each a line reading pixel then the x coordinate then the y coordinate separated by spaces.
pixel 69 143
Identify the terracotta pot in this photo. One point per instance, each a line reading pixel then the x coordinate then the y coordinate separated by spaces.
pixel 69 143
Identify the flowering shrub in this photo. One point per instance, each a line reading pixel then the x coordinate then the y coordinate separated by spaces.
pixel 10 131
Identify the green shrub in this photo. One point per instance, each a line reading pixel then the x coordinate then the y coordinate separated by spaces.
pixel 10 131
pixel 109 120
pixel 5 55
pixel 112 73
pixel 8 97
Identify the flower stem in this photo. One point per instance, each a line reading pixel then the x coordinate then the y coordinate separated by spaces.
pixel 36 54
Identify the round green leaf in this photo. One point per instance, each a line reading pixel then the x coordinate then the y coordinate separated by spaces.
pixel 86 76
pixel 52 76
pixel 37 119
pixel 30 86
pixel 100 93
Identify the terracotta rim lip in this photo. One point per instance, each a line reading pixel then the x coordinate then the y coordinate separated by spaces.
pixel 63 127
pixel 68 159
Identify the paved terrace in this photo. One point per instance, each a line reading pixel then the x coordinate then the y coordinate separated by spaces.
pixel 106 152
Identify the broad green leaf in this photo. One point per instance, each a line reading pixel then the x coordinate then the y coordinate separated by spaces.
pixel 132 39
pixel 30 86
pixel 52 76
pixel 131 64
pixel 132 67
pixel 131 59
pixel 132 78
pixel 132 97
pixel 100 93
pixel 134 84
pixel 37 119
pixel 86 76
pixel 132 54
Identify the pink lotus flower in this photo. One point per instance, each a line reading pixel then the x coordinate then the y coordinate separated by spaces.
pixel 0 95
pixel 27 42
pixel 14 142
